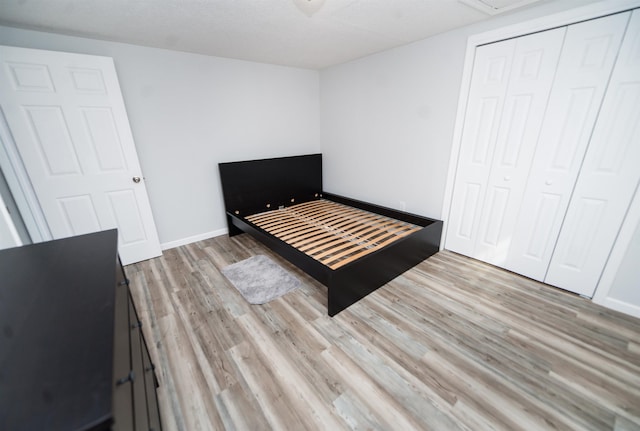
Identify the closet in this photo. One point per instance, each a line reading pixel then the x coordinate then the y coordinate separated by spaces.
pixel 550 152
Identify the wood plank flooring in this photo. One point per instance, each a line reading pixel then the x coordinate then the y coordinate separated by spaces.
pixel 452 344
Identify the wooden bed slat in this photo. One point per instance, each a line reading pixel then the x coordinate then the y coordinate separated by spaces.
pixel 332 233
pixel 357 256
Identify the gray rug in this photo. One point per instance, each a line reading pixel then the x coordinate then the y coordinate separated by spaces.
pixel 260 280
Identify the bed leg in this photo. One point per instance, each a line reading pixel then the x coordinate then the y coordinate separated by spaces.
pixel 335 302
pixel 233 229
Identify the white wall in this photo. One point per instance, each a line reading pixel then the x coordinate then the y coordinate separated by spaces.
pixel 619 286
pixel 387 120
pixel 188 112
pixel 8 234
pixel 13 221
pixel 626 286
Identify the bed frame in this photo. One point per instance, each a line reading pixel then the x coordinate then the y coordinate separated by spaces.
pixel 256 186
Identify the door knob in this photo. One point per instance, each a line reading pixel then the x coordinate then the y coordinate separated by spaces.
pixel 136 180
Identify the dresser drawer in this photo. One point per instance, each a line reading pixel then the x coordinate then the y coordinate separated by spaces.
pixel 151 383
pixel 135 400
pixel 122 393
pixel 139 391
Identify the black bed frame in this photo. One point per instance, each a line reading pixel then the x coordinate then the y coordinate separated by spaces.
pixel 255 186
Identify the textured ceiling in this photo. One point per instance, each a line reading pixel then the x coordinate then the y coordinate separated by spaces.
pixel 269 31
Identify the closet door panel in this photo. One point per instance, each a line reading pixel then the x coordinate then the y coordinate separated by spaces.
pixel 608 179
pixel 534 66
pixel 492 68
pixel 586 62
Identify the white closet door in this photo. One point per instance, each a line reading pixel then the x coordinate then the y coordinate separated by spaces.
pixel 585 66
pixel 534 66
pixel 487 92
pixel 608 179
pixel 67 116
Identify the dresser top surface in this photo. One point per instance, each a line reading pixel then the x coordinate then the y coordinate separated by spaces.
pixel 56 333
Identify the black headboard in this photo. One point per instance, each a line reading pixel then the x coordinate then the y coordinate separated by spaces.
pixel 249 186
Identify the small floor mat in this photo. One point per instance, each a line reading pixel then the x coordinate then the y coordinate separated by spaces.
pixel 260 280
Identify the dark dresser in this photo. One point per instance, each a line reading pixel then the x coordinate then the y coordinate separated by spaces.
pixel 72 353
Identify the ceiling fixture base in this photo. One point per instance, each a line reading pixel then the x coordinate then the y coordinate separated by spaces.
pixel 309 7
pixel 494 7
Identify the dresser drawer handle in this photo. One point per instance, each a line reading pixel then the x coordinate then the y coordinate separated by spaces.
pixel 128 378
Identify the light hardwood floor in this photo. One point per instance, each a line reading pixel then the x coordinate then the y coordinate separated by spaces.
pixel 452 344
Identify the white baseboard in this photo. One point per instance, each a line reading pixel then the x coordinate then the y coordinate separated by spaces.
pixel 623 307
pixel 192 239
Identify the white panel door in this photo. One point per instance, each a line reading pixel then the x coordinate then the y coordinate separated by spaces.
pixel 584 69
pixel 492 67
pixel 534 66
pixel 69 123
pixel 608 179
